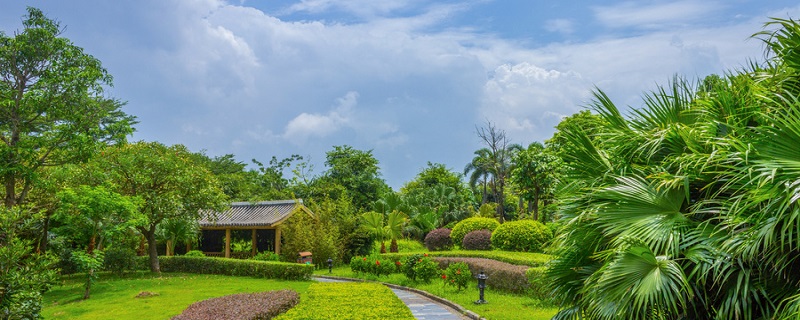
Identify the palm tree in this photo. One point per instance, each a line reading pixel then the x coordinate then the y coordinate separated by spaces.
pixel 688 208
pixel 480 168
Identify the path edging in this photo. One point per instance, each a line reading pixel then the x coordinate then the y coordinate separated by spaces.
pixel 453 305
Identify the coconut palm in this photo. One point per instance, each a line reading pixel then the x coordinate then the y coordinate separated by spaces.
pixel 480 171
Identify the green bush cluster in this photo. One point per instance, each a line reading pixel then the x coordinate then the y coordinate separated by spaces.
pixel 530 259
pixel 458 275
pixel 478 240
pixel 471 224
pixel 266 256
pixel 355 301
pixel 425 270
pixel 195 253
pixel 120 260
pixel 538 283
pixel 375 265
pixel 232 267
pixel 502 276
pixel 521 235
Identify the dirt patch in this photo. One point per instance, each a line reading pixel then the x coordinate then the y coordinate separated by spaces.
pixel 146 294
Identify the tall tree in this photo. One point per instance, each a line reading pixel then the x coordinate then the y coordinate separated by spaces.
pixel 480 169
pixel 169 183
pixel 52 108
pixel 535 175
pixel 501 151
pixel 358 172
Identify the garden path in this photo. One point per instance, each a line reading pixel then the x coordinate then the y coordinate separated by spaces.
pixel 422 307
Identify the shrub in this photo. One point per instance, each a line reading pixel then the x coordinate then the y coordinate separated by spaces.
pixel 409 263
pixel 426 269
pixel 244 306
pixel 267 256
pixel 478 240
pixel 359 264
pixel 537 282
pixel 502 276
pixel 232 267
pixel 355 301
pixel 522 235
pixel 439 239
pixel 195 253
pixel 530 259
pixel 375 265
pixel 471 224
pixel 120 260
pixel 458 275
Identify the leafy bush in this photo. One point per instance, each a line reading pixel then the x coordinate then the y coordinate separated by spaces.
pixel 439 239
pixel 478 240
pixel 359 264
pixel 425 270
pixel 355 301
pixel 530 259
pixel 375 265
pixel 521 235
pixel 458 275
pixel 120 260
pixel 538 283
pixel 267 256
pixel 502 276
pixel 232 267
pixel 244 306
pixel 471 224
pixel 195 253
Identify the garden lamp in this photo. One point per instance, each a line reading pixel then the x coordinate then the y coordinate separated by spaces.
pixel 481 285
pixel 330 265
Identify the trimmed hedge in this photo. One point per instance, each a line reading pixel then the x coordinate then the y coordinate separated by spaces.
pixel 471 224
pixel 233 267
pixel 502 276
pixel 478 240
pixel 354 300
pixel 242 306
pixel 538 282
pixel 439 239
pixel 530 259
pixel 521 235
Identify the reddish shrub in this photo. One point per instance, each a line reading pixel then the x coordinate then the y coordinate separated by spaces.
pixel 439 239
pixel 243 306
pixel 502 276
pixel 478 240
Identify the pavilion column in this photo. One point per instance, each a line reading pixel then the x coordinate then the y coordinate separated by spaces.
pixel 255 249
pixel 227 243
pixel 277 240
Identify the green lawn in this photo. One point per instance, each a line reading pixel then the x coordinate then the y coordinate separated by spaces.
pixel 501 305
pixel 115 298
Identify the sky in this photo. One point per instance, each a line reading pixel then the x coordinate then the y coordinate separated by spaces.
pixel 410 80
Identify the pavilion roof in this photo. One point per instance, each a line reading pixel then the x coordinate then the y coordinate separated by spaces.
pixel 252 214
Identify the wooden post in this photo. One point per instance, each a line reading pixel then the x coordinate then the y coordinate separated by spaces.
pixel 277 240
pixel 255 249
pixel 227 243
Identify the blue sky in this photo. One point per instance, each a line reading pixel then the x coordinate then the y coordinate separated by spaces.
pixel 408 79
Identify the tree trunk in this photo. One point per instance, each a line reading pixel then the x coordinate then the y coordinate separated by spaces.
pixel 383 246
pixel 152 251
pixel 88 284
pixel 485 194
pixel 393 246
pixel 10 185
pixel 170 246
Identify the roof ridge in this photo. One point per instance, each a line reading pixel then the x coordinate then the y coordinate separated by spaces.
pixel 247 203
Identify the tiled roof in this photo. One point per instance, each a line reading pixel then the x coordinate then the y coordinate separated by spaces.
pixel 251 214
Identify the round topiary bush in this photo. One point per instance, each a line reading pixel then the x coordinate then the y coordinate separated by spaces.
pixel 522 235
pixel 478 240
pixel 439 239
pixel 471 224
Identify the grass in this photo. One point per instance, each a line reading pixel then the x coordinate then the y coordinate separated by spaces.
pixel 113 297
pixel 500 305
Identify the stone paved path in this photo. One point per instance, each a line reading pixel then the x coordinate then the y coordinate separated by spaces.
pixel 421 307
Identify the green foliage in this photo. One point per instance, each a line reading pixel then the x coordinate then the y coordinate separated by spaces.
pixel 501 276
pixel 242 245
pixel 374 265
pixel 54 108
pixel 236 267
pixel 518 258
pixel 425 270
pixel 478 240
pixel 438 240
pixel 487 210
pixel 535 175
pixel 538 283
pixel 471 224
pixel 458 275
pixel 357 172
pixel 521 235
pixel 358 301
pixel 90 264
pixel 24 274
pixel 303 232
pixel 408 264
pixel 195 253
pixel 120 260
pixel 265 256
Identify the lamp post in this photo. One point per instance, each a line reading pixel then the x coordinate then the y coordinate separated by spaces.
pixel 330 265
pixel 481 285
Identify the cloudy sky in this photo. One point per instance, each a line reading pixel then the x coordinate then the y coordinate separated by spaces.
pixel 408 79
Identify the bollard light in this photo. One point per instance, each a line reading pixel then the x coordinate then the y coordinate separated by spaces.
pixel 481 285
pixel 330 265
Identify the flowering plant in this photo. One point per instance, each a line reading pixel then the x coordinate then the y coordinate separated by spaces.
pixel 458 274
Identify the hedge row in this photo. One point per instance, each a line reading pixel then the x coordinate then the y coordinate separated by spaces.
pixel 529 259
pixel 242 306
pixel 232 267
pixel 502 276
pixel 355 301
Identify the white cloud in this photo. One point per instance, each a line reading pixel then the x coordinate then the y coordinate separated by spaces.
pixel 306 125
pixel 654 16
pixel 563 26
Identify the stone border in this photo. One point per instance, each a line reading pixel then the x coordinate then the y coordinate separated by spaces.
pixel 448 303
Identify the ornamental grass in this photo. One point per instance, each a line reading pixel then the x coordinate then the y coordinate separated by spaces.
pixel 354 301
